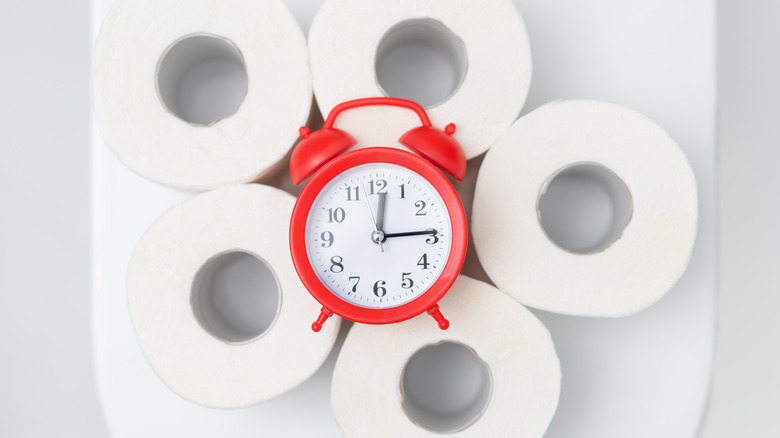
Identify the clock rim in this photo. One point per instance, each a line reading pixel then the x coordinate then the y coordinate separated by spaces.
pixel 300 216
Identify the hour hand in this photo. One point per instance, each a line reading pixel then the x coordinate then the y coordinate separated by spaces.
pixel 429 231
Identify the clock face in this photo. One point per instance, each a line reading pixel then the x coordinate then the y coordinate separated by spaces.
pixel 378 235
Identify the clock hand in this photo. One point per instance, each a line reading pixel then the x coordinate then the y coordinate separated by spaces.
pixel 377 236
pixel 380 212
pixel 429 231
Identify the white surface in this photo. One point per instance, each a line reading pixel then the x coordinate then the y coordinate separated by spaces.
pixel 644 376
pixel 746 386
pixel 605 362
pixel 46 369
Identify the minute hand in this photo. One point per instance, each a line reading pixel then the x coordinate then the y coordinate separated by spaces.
pixel 429 231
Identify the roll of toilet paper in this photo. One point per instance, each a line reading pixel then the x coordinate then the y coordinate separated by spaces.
pixel 493 373
pixel 217 306
pixel 198 94
pixel 528 250
pixel 360 48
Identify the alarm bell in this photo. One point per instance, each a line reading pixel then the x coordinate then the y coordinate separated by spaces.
pixel 434 144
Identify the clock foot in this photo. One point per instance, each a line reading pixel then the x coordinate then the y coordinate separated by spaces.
pixel 325 313
pixel 434 311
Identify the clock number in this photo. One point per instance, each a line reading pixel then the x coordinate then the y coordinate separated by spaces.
pixel 423 261
pixel 403 191
pixel 337 215
pixel 357 193
pixel 336 264
pixel 406 283
pixel 432 239
pixel 356 280
pixel 379 289
pixel 327 237
pixel 421 206
pixel 381 186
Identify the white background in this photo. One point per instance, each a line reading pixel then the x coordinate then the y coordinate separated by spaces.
pixel 46 370
pixel 46 383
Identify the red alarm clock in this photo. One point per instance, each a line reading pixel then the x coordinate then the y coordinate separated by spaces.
pixel 378 235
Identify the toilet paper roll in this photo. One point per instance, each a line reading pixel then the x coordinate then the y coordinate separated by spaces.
pixel 371 389
pixel 140 59
pixel 644 259
pixel 486 39
pixel 183 331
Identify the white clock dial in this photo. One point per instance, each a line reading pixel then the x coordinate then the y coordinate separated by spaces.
pixel 378 235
